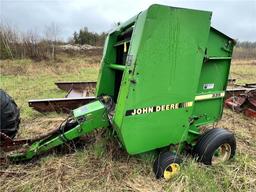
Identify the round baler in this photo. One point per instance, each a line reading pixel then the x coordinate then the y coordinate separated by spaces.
pixel 162 80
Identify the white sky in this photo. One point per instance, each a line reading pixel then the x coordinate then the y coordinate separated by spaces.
pixel 236 18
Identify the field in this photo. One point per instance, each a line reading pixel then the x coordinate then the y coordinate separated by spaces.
pixel 101 165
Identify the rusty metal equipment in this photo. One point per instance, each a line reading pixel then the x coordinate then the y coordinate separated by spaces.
pixel 242 98
pixel 78 94
pixel 234 89
pixel 88 86
pixel 59 105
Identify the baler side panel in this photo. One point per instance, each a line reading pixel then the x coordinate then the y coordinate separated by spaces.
pixel 214 78
pixel 167 71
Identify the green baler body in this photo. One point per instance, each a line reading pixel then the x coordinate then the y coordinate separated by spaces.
pixel 167 71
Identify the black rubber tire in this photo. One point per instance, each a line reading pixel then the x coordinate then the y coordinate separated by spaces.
pixel 163 161
pixel 10 115
pixel 210 141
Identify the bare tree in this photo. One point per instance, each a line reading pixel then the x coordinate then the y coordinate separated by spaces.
pixel 31 44
pixel 8 37
pixel 51 33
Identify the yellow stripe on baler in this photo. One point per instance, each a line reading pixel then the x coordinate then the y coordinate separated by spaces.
pixel 209 96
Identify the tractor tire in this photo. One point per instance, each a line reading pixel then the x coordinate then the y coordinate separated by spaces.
pixel 10 115
pixel 215 146
pixel 167 165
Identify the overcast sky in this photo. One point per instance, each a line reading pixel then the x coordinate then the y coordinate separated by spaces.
pixel 236 18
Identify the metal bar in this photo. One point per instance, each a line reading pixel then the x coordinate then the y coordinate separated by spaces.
pixel 117 67
pixel 59 105
pixel 126 24
pixel 237 91
pixel 67 86
pixel 128 30
pixel 122 42
pixel 217 58
pixel 250 85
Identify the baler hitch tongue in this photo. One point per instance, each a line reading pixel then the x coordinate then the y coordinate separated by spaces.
pixel 85 119
pixel 8 144
pixel 19 147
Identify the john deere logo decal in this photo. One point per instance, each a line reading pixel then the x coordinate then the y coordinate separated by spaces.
pixel 158 108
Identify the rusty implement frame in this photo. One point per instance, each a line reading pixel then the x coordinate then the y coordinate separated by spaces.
pixel 78 94
pixel 236 90
pixel 82 86
pixel 242 98
pixel 59 105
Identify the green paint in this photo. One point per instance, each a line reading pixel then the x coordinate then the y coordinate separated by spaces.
pixel 166 65
pixel 153 64
pixel 94 116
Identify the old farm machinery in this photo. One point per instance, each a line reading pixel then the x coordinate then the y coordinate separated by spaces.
pixel 163 77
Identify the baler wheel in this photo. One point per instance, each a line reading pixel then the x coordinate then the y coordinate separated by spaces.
pixel 167 165
pixel 215 146
pixel 10 115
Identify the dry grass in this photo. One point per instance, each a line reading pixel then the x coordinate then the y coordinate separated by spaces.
pixel 244 71
pixel 244 62
pixel 25 79
pixel 61 66
pixel 244 53
pixel 101 165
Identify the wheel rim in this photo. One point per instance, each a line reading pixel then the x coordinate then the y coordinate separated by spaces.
pixel 221 154
pixel 172 170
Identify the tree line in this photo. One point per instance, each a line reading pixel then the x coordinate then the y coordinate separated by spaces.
pixel 84 36
pixel 245 50
pixel 18 45
pixel 31 44
pixel 42 45
pixel 246 44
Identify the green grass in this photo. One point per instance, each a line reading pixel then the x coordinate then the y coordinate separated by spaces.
pixel 38 86
pixel 25 79
pixel 101 165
